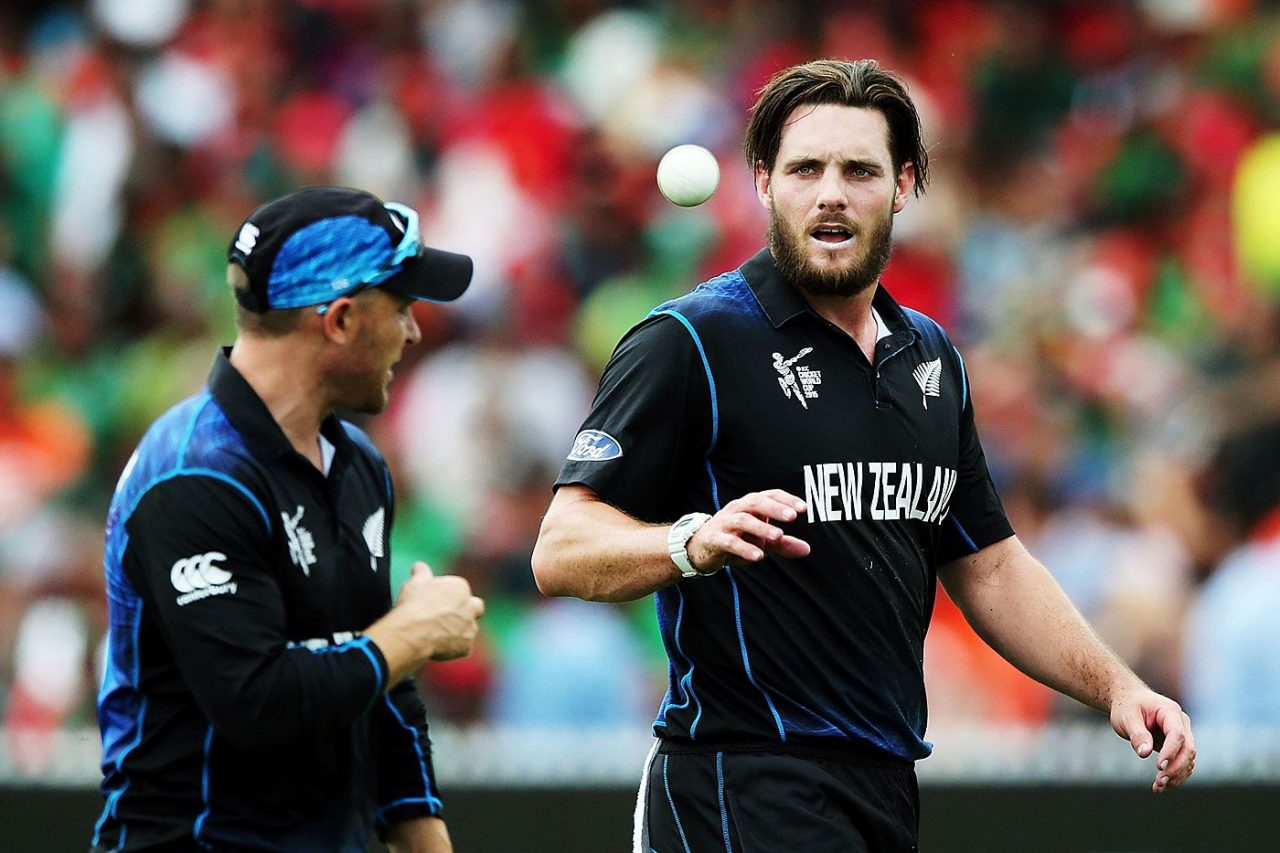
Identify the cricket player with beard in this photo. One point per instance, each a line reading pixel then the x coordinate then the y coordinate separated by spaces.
pixel 787 458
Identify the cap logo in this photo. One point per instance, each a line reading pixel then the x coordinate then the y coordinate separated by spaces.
pixel 248 238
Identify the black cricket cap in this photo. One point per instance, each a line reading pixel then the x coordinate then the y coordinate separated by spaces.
pixel 316 244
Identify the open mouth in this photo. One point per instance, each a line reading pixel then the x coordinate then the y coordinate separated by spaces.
pixel 832 234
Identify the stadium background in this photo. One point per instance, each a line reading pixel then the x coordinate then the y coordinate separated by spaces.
pixel 1102 237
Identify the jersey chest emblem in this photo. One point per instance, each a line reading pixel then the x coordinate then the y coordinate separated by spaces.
pixel 302 545
pixel 797 381
pixel 372 530
pixel 928 376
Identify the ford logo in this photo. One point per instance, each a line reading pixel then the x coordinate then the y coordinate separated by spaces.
pixel 592 445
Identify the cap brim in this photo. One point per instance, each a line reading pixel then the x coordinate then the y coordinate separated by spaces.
pixel 434 275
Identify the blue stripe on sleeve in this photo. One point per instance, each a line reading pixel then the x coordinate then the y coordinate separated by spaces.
pixel 715 494
pixel 198 829
pixel 432 801
pixel 361 644
pixel 963 533
pixel 706 365
pixel 964 380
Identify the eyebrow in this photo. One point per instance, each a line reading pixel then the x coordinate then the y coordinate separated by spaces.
pixel 804 159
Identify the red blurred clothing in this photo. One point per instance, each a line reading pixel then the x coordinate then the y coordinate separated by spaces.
pixel 999 692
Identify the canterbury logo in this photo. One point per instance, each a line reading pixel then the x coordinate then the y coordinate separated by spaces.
pixel 200 577
pixel 929 377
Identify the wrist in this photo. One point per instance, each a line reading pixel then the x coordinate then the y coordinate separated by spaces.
pixel 679 535
pixel 1124 687
pixel 401 655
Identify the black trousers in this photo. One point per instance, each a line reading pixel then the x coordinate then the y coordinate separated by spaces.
pixel 748 799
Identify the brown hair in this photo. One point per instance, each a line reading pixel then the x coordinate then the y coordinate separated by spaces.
pixel 270 324
pixel 829 81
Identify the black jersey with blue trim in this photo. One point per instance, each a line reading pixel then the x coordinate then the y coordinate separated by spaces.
pixel 241 708
pixel 740 387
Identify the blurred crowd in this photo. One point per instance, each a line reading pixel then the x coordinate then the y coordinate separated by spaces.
pixel 1102 237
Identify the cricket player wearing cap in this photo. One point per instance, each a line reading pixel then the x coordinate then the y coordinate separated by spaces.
pixel 257 692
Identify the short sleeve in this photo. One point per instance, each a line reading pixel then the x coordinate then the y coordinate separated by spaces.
pixel 977 517
pixel 650 420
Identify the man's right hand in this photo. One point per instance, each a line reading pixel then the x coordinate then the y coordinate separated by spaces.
pixel 434 618
pixel 741 533
pixel 443 610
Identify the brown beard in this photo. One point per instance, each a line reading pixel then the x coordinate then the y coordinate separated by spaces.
pixel 795 268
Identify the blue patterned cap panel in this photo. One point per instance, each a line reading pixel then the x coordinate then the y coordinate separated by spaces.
pixel 323 260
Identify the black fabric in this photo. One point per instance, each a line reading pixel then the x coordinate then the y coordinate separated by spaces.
pixel 740 387
pixel 762 801
pixel 253 710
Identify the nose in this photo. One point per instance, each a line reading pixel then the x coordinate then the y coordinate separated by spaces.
pixel 832 194
pixel 412 334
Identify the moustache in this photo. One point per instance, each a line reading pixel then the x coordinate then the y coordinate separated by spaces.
pixel 832 219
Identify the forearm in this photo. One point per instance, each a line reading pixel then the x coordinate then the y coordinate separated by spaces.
pixel 419 835
pixel 402 654
pixel 588 549
pixel 1013 602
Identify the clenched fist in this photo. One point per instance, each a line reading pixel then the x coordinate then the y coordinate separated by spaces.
pixel 435 618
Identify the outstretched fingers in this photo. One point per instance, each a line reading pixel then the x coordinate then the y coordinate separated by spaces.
pixel 773 504
pixel 744 531
pixel 728 545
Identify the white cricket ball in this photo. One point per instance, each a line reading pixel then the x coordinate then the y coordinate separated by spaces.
pixel 688 175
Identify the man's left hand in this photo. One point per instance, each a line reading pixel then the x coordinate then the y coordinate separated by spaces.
pixel 1150 722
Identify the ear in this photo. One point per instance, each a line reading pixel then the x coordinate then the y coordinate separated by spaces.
pixel 763 185
pixel 905 186
pixel 339 320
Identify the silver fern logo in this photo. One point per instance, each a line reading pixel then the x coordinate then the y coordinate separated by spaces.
pixel 929 377
pixel 373 529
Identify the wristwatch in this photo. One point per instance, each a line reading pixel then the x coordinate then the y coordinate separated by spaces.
pixel 678 538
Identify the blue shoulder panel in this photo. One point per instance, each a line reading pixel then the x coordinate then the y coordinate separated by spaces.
pixel 194 438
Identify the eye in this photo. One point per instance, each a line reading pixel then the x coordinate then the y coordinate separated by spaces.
pixel 860 172
pixel 806 169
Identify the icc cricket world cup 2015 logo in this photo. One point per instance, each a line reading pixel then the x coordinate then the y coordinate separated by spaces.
pixel 799 383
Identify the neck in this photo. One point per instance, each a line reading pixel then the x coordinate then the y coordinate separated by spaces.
pixel 852 314
pixel 278 370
